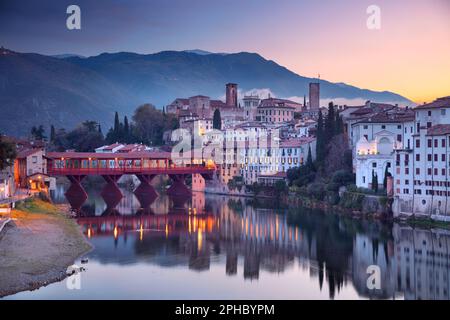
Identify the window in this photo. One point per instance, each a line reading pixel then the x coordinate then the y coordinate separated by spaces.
pixel 399 127
pixel 428 124
pixel 435 143
pixel 429 113
pixel 34 159
pixel 383 127
pixel 417 170
pixel 365 127
pixel 374 165
pixel 399 137
pixel 429 143
pixel 418 143
pixel 429 157
pixel 443 157
pixel 417 157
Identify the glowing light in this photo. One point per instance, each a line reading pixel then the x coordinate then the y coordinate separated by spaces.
pixel 116 232
pixel 89 233
pixel 141 233
pixel 199 239
pixel 167 230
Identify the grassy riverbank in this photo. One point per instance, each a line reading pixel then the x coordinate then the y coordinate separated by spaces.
pixel 37 246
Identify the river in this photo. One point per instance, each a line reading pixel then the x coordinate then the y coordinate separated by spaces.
pixel 217 247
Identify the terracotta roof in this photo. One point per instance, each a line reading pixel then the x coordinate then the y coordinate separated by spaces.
pixel 443 102
pixel 439 130
pixel 198 96
pixel 297 142
pixel 27 152
pixel 275 102
pixel 384 117
pixel 217 103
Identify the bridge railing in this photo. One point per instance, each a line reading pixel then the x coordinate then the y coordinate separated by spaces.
pixel 130 170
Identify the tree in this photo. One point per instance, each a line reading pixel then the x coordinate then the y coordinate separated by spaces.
pixel 126 130
pixel 309 161
pixel 280 188
pixel 38 133
pixel 148 124
pixel 116 125
pixel 339 124
pixel 374 182
pixel 7 153
pixel 52 133
pixel 217 120
pixel 386 175
pixel 330 123
pixel 320 143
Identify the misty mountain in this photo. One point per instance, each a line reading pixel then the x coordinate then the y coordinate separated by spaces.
pixel 37 89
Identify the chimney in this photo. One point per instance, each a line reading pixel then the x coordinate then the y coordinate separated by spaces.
pixel 231 95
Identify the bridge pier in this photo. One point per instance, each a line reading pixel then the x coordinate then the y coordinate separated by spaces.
pixel 76 195
pixel 111 190
pixel 178 187
pixel 145 188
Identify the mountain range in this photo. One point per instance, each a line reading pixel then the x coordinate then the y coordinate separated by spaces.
pixel 66 89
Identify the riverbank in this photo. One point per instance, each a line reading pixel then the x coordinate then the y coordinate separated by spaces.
pixel 37 246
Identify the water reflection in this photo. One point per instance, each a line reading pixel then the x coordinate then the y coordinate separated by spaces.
pixel 312 254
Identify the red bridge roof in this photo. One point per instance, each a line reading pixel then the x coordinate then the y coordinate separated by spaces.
pixel 109 155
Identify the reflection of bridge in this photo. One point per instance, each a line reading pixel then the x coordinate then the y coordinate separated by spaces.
pixel 111 166
pixel 169 223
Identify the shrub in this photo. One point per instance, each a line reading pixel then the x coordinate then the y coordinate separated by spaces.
pixel 316 190
pixel 343 177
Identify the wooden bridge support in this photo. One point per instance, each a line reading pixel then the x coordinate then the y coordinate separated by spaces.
pixel 111 189
pixel 145 188
pixel 76 195
pixel 178 187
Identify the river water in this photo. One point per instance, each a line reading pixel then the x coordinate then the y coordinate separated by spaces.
pixel 217 247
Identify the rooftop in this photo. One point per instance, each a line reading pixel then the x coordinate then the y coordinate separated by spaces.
pixel 439 130
pixel 443 102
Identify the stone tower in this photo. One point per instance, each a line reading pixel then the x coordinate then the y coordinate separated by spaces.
pixel 231 95
pixel 314 96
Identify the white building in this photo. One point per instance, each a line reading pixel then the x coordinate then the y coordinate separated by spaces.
pixel 272 160
pixel 421 177
pixel 373 157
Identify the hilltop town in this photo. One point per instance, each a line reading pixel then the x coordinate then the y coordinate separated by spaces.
pixel 269 144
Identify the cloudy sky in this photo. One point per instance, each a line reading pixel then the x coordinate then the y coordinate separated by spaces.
pixel 409 54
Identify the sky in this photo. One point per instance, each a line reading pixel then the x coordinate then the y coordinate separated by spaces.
pixel 409 54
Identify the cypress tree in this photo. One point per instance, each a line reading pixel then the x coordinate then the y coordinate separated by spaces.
pixel 116 123
pixel 376 184
pixel 330 122
pixel 217 120
pixel 320 143
pixel 52 133
pixel 386 174
pixel 126 130
pixel 309 162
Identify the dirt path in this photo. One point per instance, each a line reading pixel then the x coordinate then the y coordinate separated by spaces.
pixel 37 247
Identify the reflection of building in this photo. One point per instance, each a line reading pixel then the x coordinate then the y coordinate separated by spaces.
pixel 252 241
pixel 367 252
pixel 422 270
